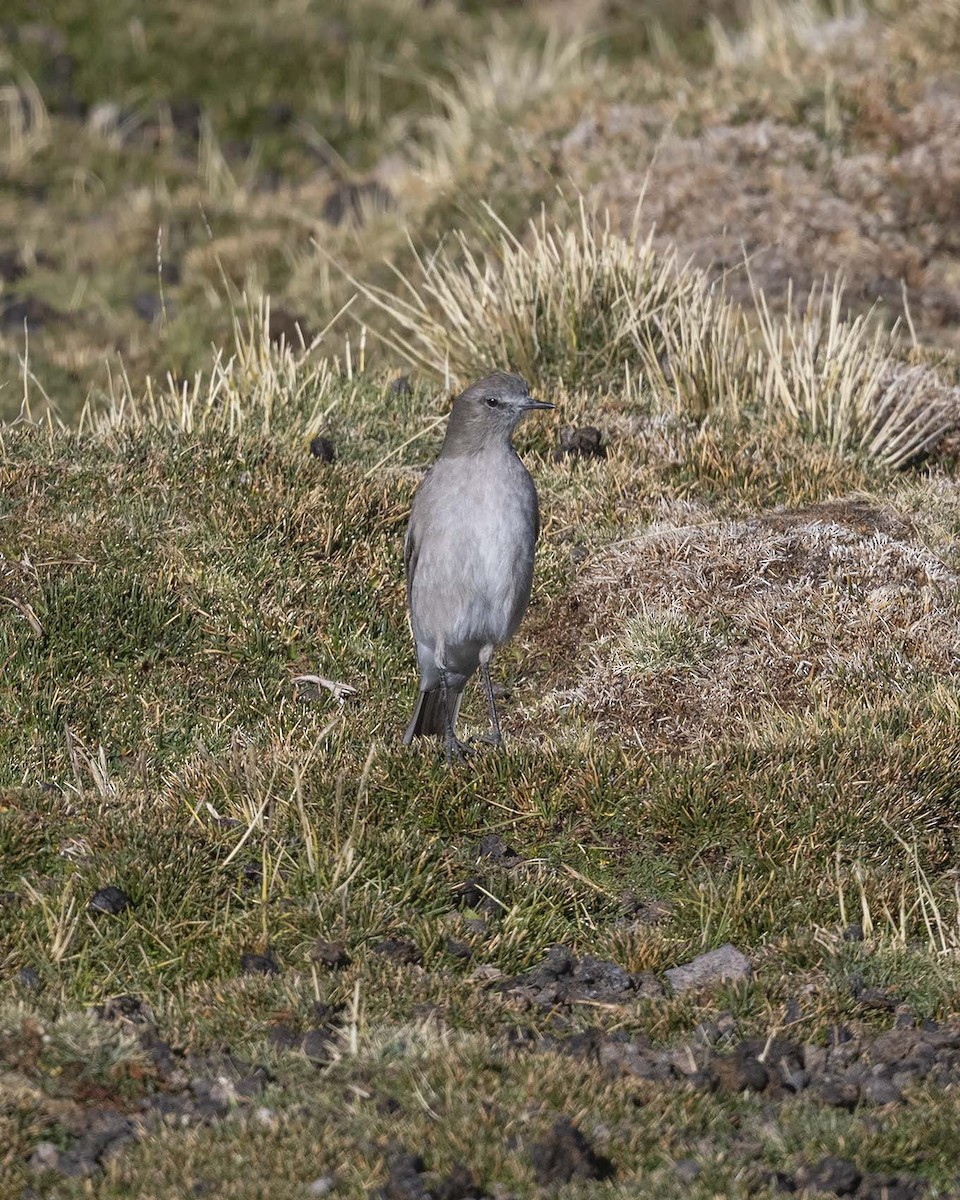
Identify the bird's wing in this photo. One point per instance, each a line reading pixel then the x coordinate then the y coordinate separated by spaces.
pixel 411 551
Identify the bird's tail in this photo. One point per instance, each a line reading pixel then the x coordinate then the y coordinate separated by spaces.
pixel 428 718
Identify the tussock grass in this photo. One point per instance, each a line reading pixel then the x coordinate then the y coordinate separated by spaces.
pixel 838 380
pixel 262 386
pixel 579 305
pixel 567 306
pixel 489 90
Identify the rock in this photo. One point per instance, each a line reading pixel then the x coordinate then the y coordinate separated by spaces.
pixel 28 978
pixel 877 1090
pixel 404 1179
pixel 724 965
pixel 686 1170
pixel 45 1157
pixel 322 1186
pixel 284 1037
pixel 565 1154
pixel 628 1058
pixel 323 448
pixel 111 900
pixel 831 1174
pixel 838 1093
pixel 796 1081
pixel 877 999
pixel 595 979
pixel 318 1045
pixel 647 986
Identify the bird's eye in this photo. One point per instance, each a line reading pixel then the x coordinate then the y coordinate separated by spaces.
pixel 492 401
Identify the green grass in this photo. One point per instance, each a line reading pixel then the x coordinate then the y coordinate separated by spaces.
pixel 733 706
pixel 163 589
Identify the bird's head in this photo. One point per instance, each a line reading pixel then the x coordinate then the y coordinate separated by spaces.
pixel 489 409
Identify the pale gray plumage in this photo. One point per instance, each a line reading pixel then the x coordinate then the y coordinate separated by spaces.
pixel 469 552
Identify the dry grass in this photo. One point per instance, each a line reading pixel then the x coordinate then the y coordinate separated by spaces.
pixel 692 631
pixel 264 386
pixel 569 306
pixel 580 306
pixel 837 380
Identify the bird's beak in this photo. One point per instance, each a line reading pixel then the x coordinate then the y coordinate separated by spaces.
pixel 530 404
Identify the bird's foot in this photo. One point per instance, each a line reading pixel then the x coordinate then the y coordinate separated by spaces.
pixel 493 738
pixel 456 751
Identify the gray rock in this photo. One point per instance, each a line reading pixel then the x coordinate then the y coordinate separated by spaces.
pixel 879 1091
pixel 322 1186
pixel 725 964
pixel 46 1157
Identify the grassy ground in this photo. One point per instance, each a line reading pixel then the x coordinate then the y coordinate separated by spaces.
pixel 732 711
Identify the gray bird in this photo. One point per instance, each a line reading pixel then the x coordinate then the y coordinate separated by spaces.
pixel 469 553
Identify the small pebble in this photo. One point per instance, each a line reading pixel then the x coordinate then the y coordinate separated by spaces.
pixel 111 900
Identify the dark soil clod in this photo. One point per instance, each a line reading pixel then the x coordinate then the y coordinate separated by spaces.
pixel 493 846
pixel 323 448
pixel 564 979
pixel 401 950
pixel 565 1154
pixel 259 964
pixel 351 201
pixel 460 1184
pixel 586 442
pixel 330 954
pixel 288 328
pixel 125 1008
pixel 404 1179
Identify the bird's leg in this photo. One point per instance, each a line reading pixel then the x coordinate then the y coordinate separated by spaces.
pixel 452 748
pixel 494 737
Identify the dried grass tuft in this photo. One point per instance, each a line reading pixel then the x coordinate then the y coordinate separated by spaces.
pixel 264 385
pixel 836 379
pixel 569 305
